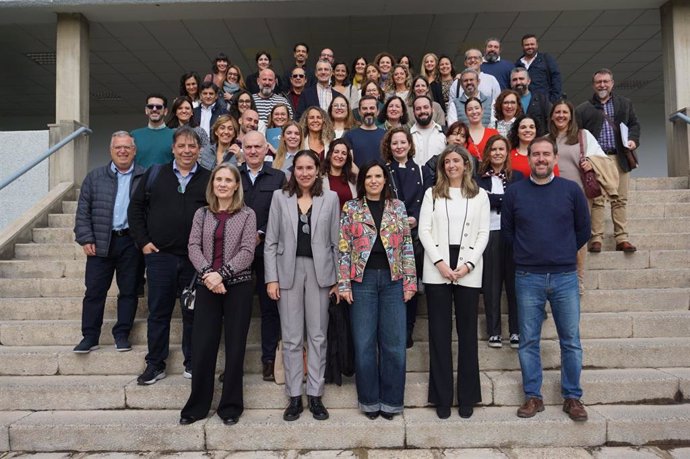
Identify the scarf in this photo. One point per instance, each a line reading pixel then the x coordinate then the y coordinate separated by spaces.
pixel 502 175
pixel 230 88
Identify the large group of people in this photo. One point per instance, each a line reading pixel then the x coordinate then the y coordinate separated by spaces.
pixel 363 186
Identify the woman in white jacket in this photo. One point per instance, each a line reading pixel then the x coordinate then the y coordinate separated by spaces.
pixel 454 230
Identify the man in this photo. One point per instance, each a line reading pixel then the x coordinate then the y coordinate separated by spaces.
pixel 102 229
pixel 301 53
pixel 249 121
pixel 321 94
pixel 297 81
pixel 602 116
pixel 266 98
pixel 259 180
pixel 427 135
pixel 160 217
pixel 366 139
pixel 546 220
pixel 493 65
pixel 535 104
pixel 470 82
pixel 155 140
pixel 487 84
pixel 543 69
pixel 206 114
pixel 327 55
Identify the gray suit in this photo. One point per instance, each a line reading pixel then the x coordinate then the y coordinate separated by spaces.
pixel 304 284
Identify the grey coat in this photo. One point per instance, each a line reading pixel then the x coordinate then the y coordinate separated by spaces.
pixel 94 219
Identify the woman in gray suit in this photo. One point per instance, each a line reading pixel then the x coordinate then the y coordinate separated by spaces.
pixel 300 265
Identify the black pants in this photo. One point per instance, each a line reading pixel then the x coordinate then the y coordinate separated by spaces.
pixel 212 312
pixel 270 318
pixel 499 268
pixel 441 298
pixel 123 261
pixel 411 305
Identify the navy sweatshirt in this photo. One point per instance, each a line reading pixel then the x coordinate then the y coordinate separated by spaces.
pixel 546 224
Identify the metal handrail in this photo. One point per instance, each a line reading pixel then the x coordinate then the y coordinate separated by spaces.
pixel 680 116
pixel 82 130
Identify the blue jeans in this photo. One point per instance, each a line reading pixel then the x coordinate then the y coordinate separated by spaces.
pixel 167 274
pixel 379 334
pixel 561 290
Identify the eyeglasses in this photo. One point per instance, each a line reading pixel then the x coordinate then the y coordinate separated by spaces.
pixel 233 74
pixel 244 101
pixel 339 105
pixel 154 106
pixel 123 147
pixel 304 219
pixel 473 58
pixel 509 102
pixel 297 75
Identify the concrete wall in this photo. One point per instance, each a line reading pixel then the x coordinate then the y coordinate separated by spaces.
pixel 17 149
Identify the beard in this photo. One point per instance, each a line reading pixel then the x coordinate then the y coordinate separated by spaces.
pixel 521 89
pixel 368 120
pixel 491 57
pixel 603 94
pixel 547 174
pixel 266 91
pixel 423 120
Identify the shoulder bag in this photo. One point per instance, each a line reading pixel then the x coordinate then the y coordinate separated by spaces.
pixel 589 178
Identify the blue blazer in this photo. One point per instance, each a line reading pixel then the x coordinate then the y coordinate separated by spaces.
pixel 310 98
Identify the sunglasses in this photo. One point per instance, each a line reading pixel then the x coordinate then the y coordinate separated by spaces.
pixel 154 106
pixel 297 75
pixel 304 219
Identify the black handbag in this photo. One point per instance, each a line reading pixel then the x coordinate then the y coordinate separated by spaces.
pixel 188 296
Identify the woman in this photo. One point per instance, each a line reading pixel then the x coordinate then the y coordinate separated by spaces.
pixel 340 77
pixel 233 83
pixel 221 248
pixel 420 87
pixel 263 62
pixel 338 172
pixel 279 116
pixel 506 109
pixel 495 176
pixel 456 134
pixel 219 70
pixel 376 276
pixel 524 130
pixel 568 137
pixel 397 150
pixel 242 101
pixel 182 114
pixel 318 130
pixel 373 73
pixel 290 143
pixel 189 86
pixel 341 116
pixel 446 76
pixel 429 70
pixel 384 61
pixel 223 148
pixel 394 113
pixel 407 62
pixel 353 91
pixel 454 230
pixel 300 264
pixel 401 82
pixel 478 134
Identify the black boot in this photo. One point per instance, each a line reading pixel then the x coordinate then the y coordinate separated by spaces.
pixel 317 409
pixel 293 409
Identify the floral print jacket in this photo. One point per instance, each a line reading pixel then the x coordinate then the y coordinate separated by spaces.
pixel 357 237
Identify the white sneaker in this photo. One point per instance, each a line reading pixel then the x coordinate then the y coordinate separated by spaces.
pixel 187 373
pixel 515 341
pixel 495 341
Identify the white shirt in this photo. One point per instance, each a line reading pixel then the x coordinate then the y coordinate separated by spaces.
pixel 496 188
pixel 206 113
pixel 428 142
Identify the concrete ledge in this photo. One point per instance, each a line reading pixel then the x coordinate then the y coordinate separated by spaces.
pixel 500 427
pixel 20 229
pixel 7 418
pixel 643 425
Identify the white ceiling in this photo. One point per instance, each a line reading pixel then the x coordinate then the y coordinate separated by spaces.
pixel 137 47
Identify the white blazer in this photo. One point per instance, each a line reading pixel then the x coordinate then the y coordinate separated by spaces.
pixel 434 228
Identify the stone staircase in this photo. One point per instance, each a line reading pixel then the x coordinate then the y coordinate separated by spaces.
pixel 635 328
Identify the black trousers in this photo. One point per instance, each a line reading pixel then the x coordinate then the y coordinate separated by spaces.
pixel 231 311
pixel 270 318
pixel 499 268
pixel 441 299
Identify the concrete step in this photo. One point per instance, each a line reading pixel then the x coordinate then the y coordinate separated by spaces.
pixel 33 287
pixel 69 207
pixel 46 269
pixel 62 251
pixel 41 393
pixel 592 325
pixel 659 183
pixel 61 220
pixel 598 354
pixel 53 235
pixel 638 278
pixel 659 196
pixel 659 241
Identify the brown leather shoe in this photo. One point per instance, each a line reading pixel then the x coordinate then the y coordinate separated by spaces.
pixel 595 247
pixel 268 371
pixel 575 409
pixel 532 406
pixel 625 246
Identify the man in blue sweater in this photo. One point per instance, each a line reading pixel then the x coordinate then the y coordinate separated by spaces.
pixel 546 219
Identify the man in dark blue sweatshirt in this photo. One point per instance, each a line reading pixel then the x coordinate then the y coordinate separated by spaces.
pixel 546 218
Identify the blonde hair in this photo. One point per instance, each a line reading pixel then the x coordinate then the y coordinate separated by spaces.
pixel 468 186
pixel 237 197
pixel 422 70
pixel 327 133
pixel 279 159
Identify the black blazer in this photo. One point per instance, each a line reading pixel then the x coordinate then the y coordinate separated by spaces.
pixel 258 195
pixel 539 108
pixel 496 200
pixel 219 108
pixel 310 98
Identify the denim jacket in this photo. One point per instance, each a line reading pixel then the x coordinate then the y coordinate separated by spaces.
pixel 357 237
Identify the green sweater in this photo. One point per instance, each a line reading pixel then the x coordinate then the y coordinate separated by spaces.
pixel 154 146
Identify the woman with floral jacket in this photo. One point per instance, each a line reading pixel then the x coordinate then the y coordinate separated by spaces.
pixel 376 276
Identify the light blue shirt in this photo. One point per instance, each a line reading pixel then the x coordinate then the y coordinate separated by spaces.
pixel 124 180
pixel 525 100
pixel 183 180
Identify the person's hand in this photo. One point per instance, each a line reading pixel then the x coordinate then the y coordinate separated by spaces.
pixel 227 96
pixel 445 271
pixel 346 296
pixel 632 145
pixel 149 248
pixel 412 222
pixel 407 295
pixel 334 292
pixel 89 250
pixel 219 289
pixel 273 290
pixel 586 165
pixel 212 280
pixel 258 239
pixel 461 271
